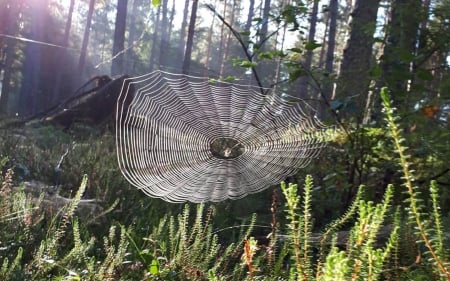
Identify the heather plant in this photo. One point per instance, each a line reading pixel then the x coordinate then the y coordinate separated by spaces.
pixel 400 236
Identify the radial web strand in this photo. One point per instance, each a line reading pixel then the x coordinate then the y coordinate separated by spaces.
pixel 184 138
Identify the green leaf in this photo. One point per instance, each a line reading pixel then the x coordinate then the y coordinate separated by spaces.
pixel 311 45
pixel 385 96
pixel 296 50
pixel 376 71
pixel 266 55
pixel 154 267
pixel 424 74
pixel 293 75
pixel 247 64
pixel 156 2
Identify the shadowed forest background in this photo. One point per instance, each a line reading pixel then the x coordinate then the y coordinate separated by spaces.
pixel 373 206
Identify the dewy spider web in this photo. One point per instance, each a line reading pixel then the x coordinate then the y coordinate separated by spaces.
pixel 184 138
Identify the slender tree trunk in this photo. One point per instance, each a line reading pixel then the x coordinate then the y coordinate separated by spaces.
pixel 153 58
pixel 62 53
pixel 183 27
pixel 265 25
pixel 324 46
pixel 131 37
pixel 304 80
pixel 250 15
pixel 329 58
pixel 8 25
pixel 84 44
pixel 402 39
pixel 30 94
pixel 164 44
pixel 190 38
pixel 117 65
pixel 209 43
pixel 223 30
pixel 354 77
pixel 227 42
pixel 172 16
pixel 281 47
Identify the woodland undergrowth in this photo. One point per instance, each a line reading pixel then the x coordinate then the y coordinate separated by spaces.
pixel 367 242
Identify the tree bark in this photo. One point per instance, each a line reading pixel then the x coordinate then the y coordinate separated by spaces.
pixel 164 43
pixel 117 66
pixel 30 94
pixel 190 38
pixel 354 77
pixel 227 42
pixel 402 40
pixel 130 55
pixel 153 58
pixel 209 44
pixel 8 25
pixel 183 27
pixel 329 56
pixel 223 32
pixel 62 53
pixel 87 31
pixel 304 80
pixel 265 25
pixel 250 15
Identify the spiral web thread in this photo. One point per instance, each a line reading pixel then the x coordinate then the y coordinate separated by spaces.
pixel 184 138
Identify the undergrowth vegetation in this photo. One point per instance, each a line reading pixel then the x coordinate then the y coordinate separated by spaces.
pixel 102 229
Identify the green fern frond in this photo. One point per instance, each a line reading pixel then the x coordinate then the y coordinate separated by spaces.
pixel 307 225
pixel 7 269
pixel 437 221
pixel 416 208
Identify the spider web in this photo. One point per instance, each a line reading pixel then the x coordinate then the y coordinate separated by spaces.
pixel 184 138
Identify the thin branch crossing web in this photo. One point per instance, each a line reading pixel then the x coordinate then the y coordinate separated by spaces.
pixel 184 138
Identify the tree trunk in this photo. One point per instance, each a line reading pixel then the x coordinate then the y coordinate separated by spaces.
pixel 402 42
pixel 329 56
pixel 153 58
pixel 250 15
pixel 354 77
pixel 209 44
pixel 117 66
pixel 172 16
pixel 8 25
pixel 183 27
pixel 223 30
pixel 304 80
pixel 62 53
pixel 190 38
pixel 131 38
pixel 87 31
pixel 30 94
pixel 164 44
pixel 227 42
pixel 265 25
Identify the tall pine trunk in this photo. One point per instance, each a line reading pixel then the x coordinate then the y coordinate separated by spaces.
pixel 354 76
pixel 190 38
pixel 129 55
pixel 9 24
pixel 154 59
pixel 164 43
pixel 402 41
pixel 304 80
pixel 84 44
pixel 183 27
pixel 117 66
pixel 57 95
pixel 30 95
pixel 209 43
